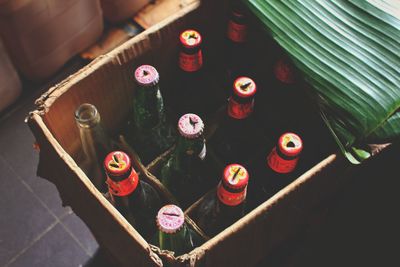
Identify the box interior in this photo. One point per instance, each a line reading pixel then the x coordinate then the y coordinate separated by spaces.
pixel 108 83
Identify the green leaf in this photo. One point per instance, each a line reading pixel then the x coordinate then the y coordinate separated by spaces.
pixel 349 51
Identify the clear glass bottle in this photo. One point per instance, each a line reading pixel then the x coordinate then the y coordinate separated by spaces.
pixel 149 132
pixel 218 211
pixel 185 172
pixel 95 143
pixel 135 199
pixel 272 173
pixel 173 233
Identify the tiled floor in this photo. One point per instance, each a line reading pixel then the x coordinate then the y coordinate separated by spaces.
pixel 35 230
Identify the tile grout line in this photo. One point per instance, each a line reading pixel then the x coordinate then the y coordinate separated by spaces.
pixel 58 220
pixel 33 242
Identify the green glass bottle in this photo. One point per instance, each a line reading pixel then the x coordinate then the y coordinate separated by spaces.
pixel 135 199
pixel 96 144
pixel 150 133
pixel 185 173
pixel 218 211
pixel 173 233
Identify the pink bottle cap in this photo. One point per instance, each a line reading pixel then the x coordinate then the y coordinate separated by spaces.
pixel 170 219
pixel 146 75
pixel 190 126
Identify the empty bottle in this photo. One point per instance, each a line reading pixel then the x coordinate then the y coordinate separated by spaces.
pixel 96 144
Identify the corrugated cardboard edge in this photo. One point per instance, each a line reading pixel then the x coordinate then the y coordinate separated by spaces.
pixel 54 162
pixel 118 56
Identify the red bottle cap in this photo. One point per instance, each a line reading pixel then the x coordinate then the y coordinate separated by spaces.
pixel 244 87
pixel 117 163
pixel 190 38
pixel 284 71
pixel 170 219
pixel 235 176
pixel 233 187
pixel 290 144
pixel 146 75
pixel 190 126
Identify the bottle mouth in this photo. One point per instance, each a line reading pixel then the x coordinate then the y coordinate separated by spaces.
pixel 87 115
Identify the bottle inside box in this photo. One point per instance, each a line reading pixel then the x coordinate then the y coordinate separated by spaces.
pixel 274 114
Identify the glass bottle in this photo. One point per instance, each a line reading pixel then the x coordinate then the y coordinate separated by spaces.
pixel 173 233
pixel 275 171
pixel 150 133
pixel 135 199
pixel 237 137
pixel 284 98
pixel 185 172
pixel 218 211
pixel 95 143
pixel 194 91
pixel 236 51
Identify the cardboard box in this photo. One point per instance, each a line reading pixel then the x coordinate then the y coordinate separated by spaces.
pixel 108 84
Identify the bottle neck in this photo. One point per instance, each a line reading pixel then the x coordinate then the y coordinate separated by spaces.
pixel 230 197
pixel 175 241
pixel 123 185
pixel 148 107
pixel 281 163
pixel 190 59
pixel 237 25
pixel 240 108
pixel 188 150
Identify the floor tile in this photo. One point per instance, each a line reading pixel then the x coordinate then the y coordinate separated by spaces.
pixel 79 230
pixel 23 218
pixel 16 142
pixel 55 249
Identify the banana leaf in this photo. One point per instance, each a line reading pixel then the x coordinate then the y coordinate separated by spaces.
pixel 349 51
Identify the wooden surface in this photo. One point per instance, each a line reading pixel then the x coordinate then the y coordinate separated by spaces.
pixel 159 10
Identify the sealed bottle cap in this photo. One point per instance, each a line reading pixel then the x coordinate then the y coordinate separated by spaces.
pixel 117 163
pixel 190 126
pixel 235 177
pixel 170 219
pixel 244 87
pixel 190 38
pixel 146 75
pixel 290 144
pixel 284 71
